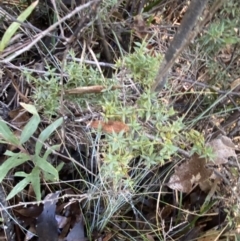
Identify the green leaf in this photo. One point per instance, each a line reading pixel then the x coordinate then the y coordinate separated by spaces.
pixel 12 162
pixel 21 174
pixel 18 188
pixel 32 125
pixel 50 177
pixel 30 108
pixel 46 133
pixel 46 167
pixel 50 150
pixel 15 26
pixel 7 134
pixel 10 153
pixel 35 180
pixel 60 166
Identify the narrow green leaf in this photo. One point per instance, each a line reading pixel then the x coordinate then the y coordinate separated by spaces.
pixel 46 133
pixel 35 180
pixel 17 155
pixel 12 162
pixel 30 108
pixel 32 125
pixel 46 167
pixel 29 129
pixel 19 187
pixel 50 150
pixel 7 134
pixel 15 26
pixel 50 177
pixel 10 153
pixel 21 174
pixel 60 166
pixel 32 178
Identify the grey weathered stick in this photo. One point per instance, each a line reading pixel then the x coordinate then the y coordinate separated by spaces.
pixel 180 40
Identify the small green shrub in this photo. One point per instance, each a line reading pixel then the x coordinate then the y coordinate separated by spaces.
pixel 46 91
pixel 222 33
pixel 155 134
pixel 142 64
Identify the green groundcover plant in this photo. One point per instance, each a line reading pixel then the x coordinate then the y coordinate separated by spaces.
pixel 39 160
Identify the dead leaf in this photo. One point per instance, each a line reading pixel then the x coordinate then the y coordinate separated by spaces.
pixel 140 27
pixel 108 237
pixel 206 185
pixel 47 226
pixel 62 221
pixel 149 237
pixel 19 117
pixel 22 96
pixel 30 233
pixel 189 173
pixel 29 211
pixel 223 148
pixel 89 89
pixel 235 84
pixel 110 126
pixel 77 232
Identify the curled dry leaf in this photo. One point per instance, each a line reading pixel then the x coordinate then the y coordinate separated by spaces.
pixel 189 173
pixel 223 148
pixel 89 89
pixel 140 27
pixel 110 126
pixel 19 117
pixel 77 232
pixel 235 84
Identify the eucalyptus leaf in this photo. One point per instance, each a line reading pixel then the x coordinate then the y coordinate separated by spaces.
pixel 46 133
pixel 15 26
